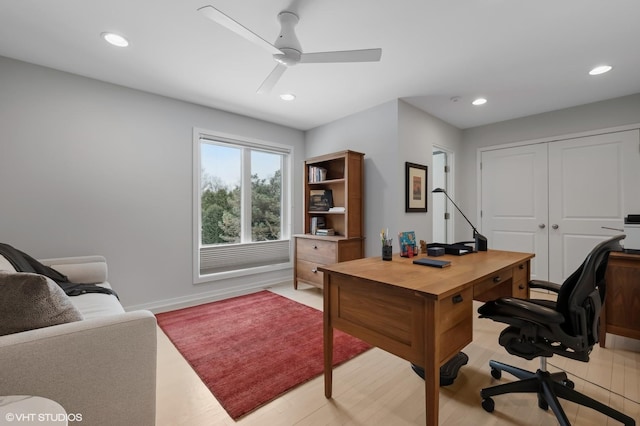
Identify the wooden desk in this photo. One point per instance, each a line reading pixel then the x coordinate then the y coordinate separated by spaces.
pixel 419 313
pixel 621 311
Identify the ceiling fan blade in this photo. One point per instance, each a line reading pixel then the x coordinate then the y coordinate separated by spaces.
pixel 216 16
pixel 363 55
pixel 272 79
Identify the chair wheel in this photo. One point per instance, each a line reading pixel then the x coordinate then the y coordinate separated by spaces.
pixel 488 405
pixel 496 374
pixel 568 383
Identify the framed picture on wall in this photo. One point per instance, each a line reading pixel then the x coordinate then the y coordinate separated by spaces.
pixel 416 187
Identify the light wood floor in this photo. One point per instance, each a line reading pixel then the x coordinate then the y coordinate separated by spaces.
pixel 377 388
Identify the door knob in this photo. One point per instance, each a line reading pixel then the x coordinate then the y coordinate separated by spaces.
pixel 555 226
pixel 542 226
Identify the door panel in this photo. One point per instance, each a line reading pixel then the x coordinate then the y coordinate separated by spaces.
pixel 514 202
pixel 577 190
pixel 439 204
pixel 586 183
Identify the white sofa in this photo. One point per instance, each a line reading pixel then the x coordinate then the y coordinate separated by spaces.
pixel 102 367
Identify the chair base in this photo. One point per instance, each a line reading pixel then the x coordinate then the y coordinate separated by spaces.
pixel 449 371
pixel 549 387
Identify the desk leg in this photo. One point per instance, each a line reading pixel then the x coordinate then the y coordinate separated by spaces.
pixel 432 362
pixel 328 339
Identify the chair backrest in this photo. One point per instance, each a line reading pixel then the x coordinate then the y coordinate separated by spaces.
pixel 581 295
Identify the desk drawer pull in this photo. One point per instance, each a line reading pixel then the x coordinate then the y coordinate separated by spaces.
pixel 497 279
pixel 457 299
pixel 314 270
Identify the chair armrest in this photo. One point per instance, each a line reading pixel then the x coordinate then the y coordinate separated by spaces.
pixel 103 368
pixel 547 285
pixel 80 269
pixel 520 309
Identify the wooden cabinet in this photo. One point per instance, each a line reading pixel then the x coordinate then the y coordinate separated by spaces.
pixel 621 312
pixel 343 174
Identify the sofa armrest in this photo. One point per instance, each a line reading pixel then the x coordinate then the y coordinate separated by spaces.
pixel 80 269
pixel 102 368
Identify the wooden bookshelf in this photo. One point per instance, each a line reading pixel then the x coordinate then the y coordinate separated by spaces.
pixel 342 173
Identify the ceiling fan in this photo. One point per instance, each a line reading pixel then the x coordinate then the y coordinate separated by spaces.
pixel 286 50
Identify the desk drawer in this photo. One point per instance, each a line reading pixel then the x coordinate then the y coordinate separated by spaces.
pixel 521 280
pixel 305 272
pixel 456 323
pixel 520 272
pixel 497 285
pixel 323 252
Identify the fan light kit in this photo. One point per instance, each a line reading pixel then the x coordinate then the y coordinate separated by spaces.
pixel 286 50
pixel 115 39
pixel 479 101
pixel 600 70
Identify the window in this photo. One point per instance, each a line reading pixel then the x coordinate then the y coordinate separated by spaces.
pixel 241 199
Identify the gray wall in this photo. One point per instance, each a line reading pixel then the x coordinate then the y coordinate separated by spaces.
pixel 88 167
pixel 624 111
pixel 390 135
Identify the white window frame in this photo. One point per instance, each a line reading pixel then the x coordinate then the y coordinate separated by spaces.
pixel 231 252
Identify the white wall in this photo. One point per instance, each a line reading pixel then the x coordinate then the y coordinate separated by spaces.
pixel 373 132
pixel 624 111
pixel 390 135
pixel 419 132
pixel 88 167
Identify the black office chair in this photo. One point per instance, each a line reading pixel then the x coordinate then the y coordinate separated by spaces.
pixel 542 328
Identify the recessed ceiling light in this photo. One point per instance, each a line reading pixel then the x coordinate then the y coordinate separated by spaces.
pixel 287 96
pixel 479 101
pixel 600 70
pixel 115 39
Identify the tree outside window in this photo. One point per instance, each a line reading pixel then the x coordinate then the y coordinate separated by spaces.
pixel 241 194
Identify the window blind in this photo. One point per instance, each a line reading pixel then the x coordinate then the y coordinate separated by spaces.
pixel 221 258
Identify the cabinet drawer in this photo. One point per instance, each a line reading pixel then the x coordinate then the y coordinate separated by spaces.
pixel 497 285
pixel 305 272
pixel 323 252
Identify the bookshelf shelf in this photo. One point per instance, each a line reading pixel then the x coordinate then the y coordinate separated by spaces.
pixel 326 182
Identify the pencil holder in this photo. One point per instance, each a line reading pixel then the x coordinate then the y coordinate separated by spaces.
pixel 386 252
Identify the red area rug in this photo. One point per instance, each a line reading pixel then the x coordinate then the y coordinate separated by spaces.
pixel 251 349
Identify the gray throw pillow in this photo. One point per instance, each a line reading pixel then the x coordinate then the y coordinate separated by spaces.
pixel 29 301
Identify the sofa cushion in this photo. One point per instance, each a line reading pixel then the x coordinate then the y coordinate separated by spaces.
pixel 94 305
pixel 29 301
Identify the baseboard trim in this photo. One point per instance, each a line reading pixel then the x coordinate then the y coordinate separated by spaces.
pixel 212 296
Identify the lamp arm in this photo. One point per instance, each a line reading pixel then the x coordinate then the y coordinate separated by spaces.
pixel 475 231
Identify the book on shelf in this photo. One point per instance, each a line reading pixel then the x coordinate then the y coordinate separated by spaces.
pixel 320 199
pixel 337 209
pixel 317 174
pixel 327 232
pixel 317 222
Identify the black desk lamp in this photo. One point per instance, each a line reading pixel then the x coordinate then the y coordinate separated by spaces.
pixel 481 240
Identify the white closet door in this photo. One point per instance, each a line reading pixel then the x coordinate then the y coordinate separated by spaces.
pixel 514 202
pixel 587 179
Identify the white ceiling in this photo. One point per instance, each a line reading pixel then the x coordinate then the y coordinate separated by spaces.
pixel 524 56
